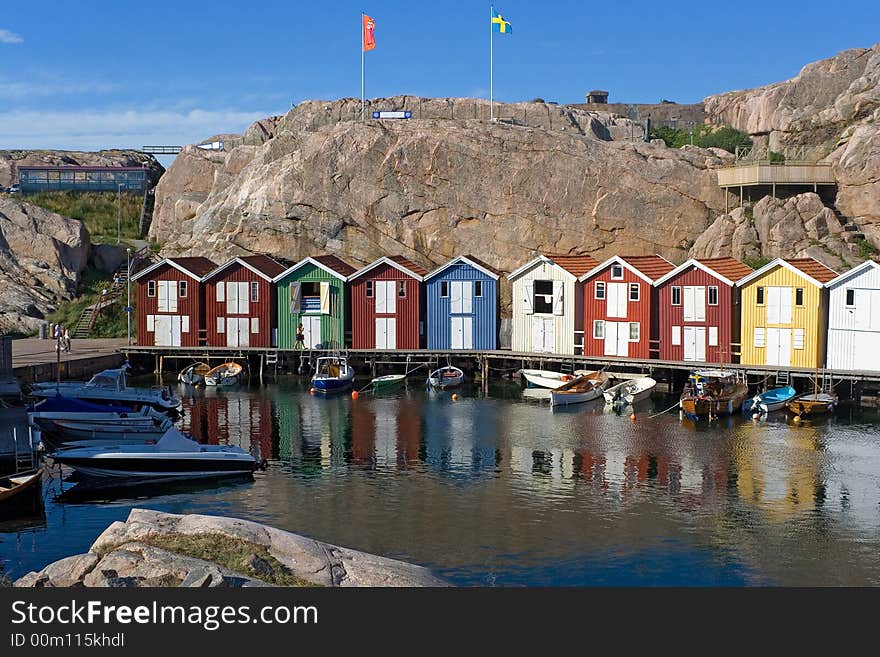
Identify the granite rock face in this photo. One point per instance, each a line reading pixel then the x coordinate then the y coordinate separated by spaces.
pixel 41 257
pixel 11 160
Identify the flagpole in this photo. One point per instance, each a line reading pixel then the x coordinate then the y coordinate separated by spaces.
pixel 362 66
pixel 491 66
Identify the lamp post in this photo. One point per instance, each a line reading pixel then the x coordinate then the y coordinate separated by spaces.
pixel 119 213
pixel 128 291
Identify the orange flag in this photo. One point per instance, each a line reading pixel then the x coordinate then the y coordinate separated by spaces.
pixel 369 39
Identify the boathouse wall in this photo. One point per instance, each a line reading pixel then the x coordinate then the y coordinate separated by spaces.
pixel 854 319
pixel 241 308
pixel 170 308
pixel 461 317
pixel 329 314
pixel 404 324
pixel 530 327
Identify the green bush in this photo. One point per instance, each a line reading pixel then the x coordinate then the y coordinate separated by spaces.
pixel 776 158
pixel 866 249
pixel 703 136
pixel 756 262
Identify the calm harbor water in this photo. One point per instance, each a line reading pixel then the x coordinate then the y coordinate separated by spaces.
pixel 503 491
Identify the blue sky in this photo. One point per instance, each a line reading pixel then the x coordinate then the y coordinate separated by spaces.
pixel 92 74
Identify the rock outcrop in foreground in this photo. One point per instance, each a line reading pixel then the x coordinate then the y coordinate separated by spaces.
pixel 130 553
pixel 41 257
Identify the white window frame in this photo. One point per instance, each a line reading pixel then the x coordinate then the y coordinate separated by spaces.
pixel 763 291
pixel 151 323
pixel 182 289
pixel 709 293
pixel 618 268
pixel 673 290
pixel 846 293
pixel 598 329
pixel 713 336
pixel 220 292
pixel 637 288
pixel 255 325
pixel 255 292
pixel 369 288
pixel 151 288
pixel 401 289
pixel 599 285
pixel 221 325
pixel 638 327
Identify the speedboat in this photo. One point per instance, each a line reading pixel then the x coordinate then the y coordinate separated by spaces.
pixel 332 374
pixel 445 377
pixel 109 387
pixel 711 393
pixel 630 392
pixel 226 374
pixel 174 456
pixel 768 401
pixel 80 434
pixel 582 389
pixel 193 375
pixel 548 378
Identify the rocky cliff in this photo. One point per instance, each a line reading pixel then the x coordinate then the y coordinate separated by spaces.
pixel 41 257
pixel 11 160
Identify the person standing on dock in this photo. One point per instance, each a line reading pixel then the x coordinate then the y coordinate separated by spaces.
pixel 300 338
pixel 67 340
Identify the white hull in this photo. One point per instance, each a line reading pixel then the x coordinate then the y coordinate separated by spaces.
pixel 548 378
pixel 631 392
pixel 566 398
pixel 128 474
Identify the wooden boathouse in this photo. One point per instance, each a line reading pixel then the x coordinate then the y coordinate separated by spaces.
pixel 854 318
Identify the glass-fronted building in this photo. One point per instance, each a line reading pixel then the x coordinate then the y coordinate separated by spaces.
pixel 82 179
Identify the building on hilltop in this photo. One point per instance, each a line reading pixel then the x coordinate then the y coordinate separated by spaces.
pixel 33 179
pixel 597 97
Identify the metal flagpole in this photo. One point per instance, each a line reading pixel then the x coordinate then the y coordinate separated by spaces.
pixel 362 66
pixel 491 66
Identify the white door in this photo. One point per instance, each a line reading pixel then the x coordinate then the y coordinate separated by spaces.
pixel 162 330
pixel 462 334
pixel 461 297
pixel 175 331
pixel 311 331
pixel 615 304
pixel 543 335
pixel 778 346
pixel 610 338
pixel 386 333
pixel 779 305
pixel 694 303
pixel 622 339
pixel 695 343
pixel 238 332
pixel 549 336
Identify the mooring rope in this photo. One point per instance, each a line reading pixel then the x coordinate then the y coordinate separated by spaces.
pixel 675 405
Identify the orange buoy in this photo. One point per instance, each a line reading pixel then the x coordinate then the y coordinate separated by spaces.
pixel 312 391
pixel 454 397
pixel 756 416
pixel 354 394
pixel 632 417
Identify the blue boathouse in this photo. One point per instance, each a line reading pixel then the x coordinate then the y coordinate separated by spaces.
pixel 462 301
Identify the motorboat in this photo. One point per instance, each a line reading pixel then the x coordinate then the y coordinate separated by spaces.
pixel 387 382
pixel 59 404
pixel 548 378
pixel 769 401
pixel 631 391
pixel 711 393
pixel 194 374
pixel 18 490
pixel 109 387
pixel 45 420
pixel 332 374
pixel 814 403
pixel 583 388
pixel 445 377
pixel 174 456
pixel 227 374
pixel 65 434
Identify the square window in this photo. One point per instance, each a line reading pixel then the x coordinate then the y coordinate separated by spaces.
pixel 181 292
pixel 151 288
pixel 599 291
pixel 760 296
pixel 401 288
pixel 634 291
pixel 676 295
pixel 598 329
pixel 369 288
pixel 444 288
pixel 713 295
pixel 478 288
pixel 799 296
pixel 850 298
pixel 543 299
pixel 616 272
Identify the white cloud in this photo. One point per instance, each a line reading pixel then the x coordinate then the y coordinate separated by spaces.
pixel 97 129
pixel 9 37
pixel 20 89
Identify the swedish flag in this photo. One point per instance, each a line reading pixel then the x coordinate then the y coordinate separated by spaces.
pixel 499 24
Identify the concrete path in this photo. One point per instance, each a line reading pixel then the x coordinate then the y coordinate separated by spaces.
pixel 33 351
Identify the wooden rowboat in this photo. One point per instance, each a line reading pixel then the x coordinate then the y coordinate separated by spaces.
pixel 17 488
pixel 711 393
pixel 194 374
pixel 548 378
pixel 582 389
pixel 226 374
pixel 814 403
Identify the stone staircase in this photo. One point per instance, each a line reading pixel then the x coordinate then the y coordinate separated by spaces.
pixel 147 208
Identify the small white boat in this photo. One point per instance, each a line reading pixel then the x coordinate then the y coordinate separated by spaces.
pixel 193 375
pixel 387 382
pixel 548 378
pixel 226 374
pixel 630 392
pixel 109 387
pixel 174 456
pixel 445 377
pixel 582 389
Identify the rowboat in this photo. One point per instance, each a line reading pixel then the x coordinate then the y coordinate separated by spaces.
pixel 548 378
pixel 18 488
pixel 769 401
pixel 582 389
pixel 445 377
pixel 332 374
pixel 387 382
pixel 194 374
pixel 227 374
pixel 814 403
pixel 710 393
pixel 630 392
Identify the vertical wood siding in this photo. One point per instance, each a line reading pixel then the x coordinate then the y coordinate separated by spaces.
pixel 849 347
pixel 637 311
pixel 264 309
pixel 332 325
pixel 484 308
pixel 363 310
pixel 565 325
pixel 722 316
pixel 811 317
pixel 191 306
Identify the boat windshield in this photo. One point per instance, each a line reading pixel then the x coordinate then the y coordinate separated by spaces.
pixel 109 379
pixel 330 366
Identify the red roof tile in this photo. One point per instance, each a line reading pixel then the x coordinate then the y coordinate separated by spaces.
pixel 334 263
pixel 652 266
pixel 196 265
pixel 813 268
pixel 482 264
pixel 575 264
pixel 731 268
pixel 265 264
pixel 409 264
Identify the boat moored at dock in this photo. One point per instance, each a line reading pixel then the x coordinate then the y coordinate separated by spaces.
pixel 110 387
pixel 332 374
pixel 711 393
pixel 769 401
pixel 582 389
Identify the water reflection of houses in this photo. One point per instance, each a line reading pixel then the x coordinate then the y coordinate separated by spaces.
pixel 386 433
pixel 461 437
pixel 222 417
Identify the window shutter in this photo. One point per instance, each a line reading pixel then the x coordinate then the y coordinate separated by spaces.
pixel 295 298
pixel 759 336
pixel 467 301
pixel 221 325
pixel 255 324
pixel 676 336
pixel 798 342
pixel 713 336
pixel 558 286
pixel 243 298
pixel 151 323
pixel 184 324
pixel 689 310
pixel 325 298
pixel 221 292
pixel 773 302
pixel 700 304
pixel 380 294
pixel 455 297
pixel 163 297
pixel 232 299
pixel 528 288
